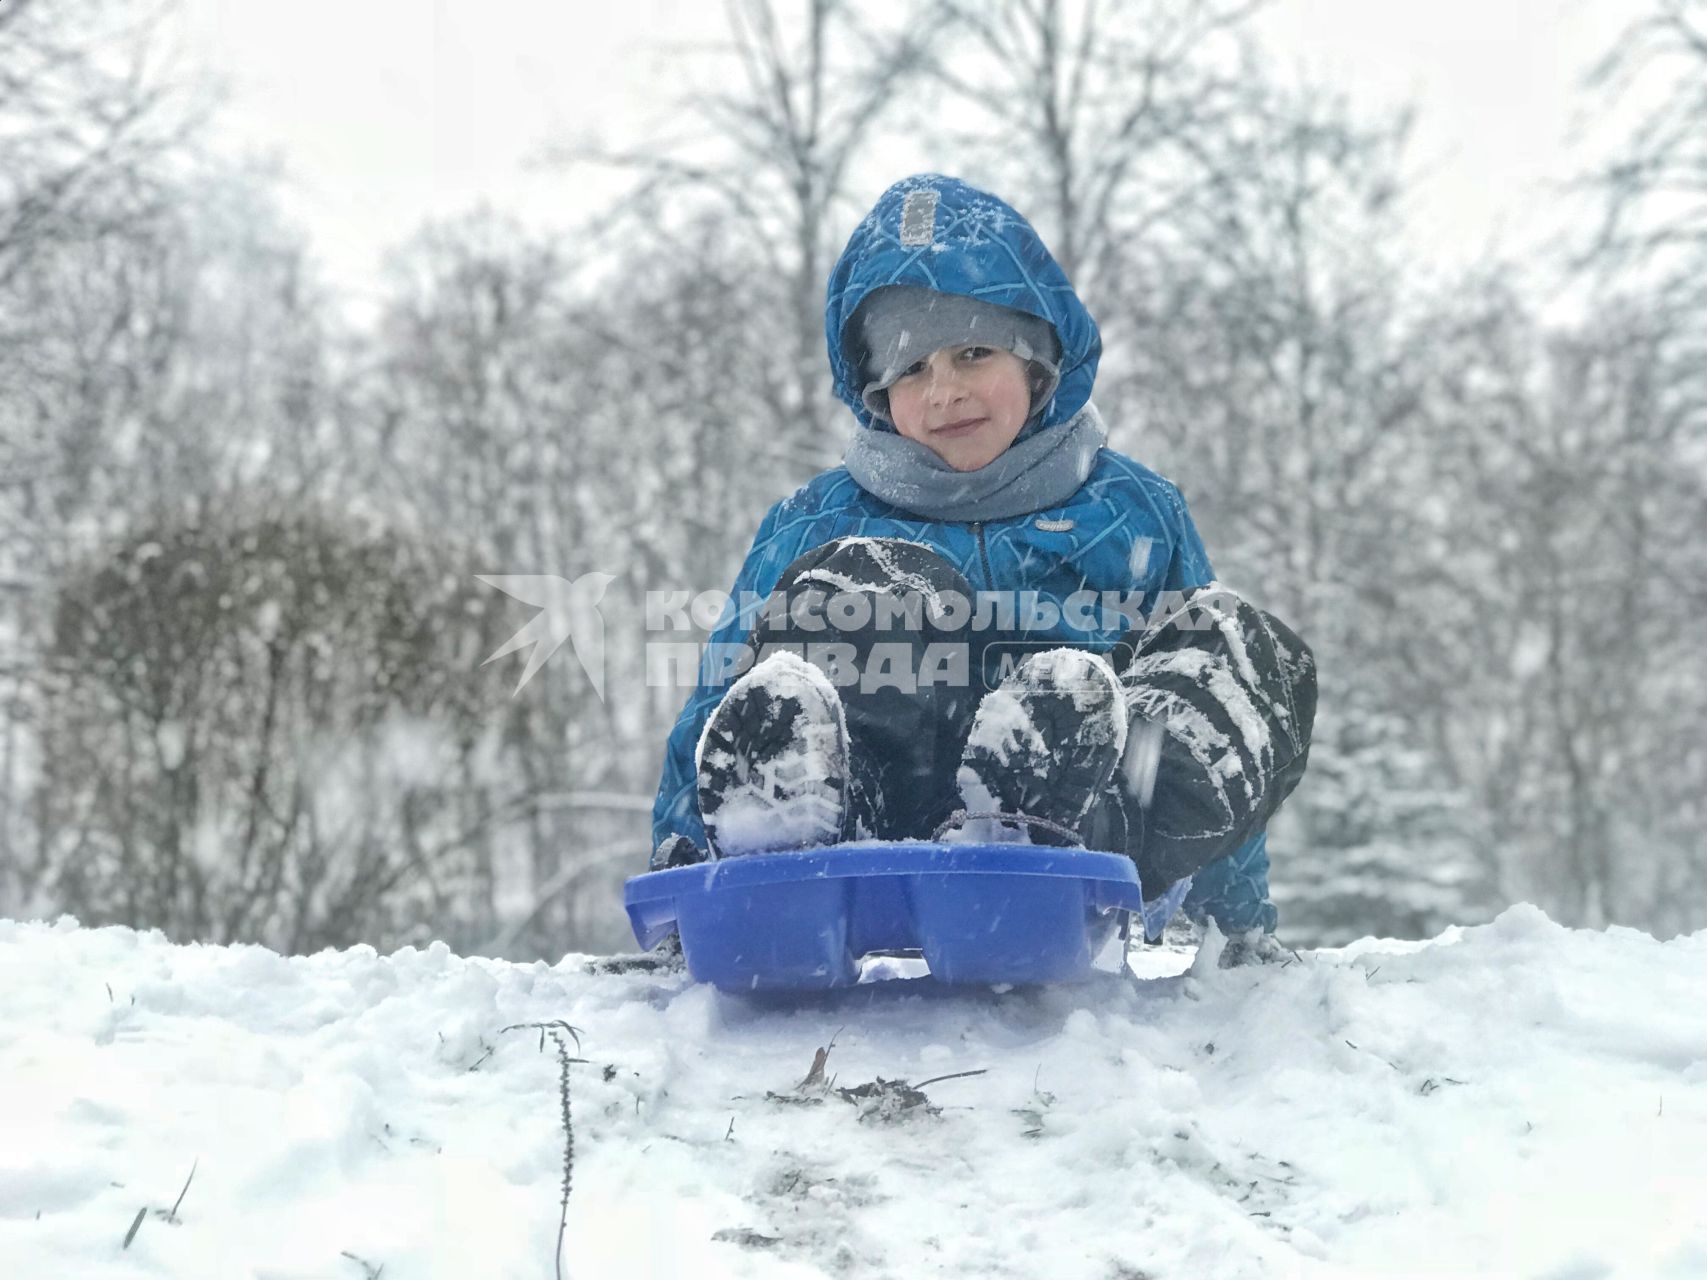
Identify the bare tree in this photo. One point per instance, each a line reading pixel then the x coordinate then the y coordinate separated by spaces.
pixel 85 119
pixel 1091 113
pixel 88 110
pixel 1655 182
pixel 491 397
pixel 1651 235
pixel 161 368
pixel 1277 380
pixel 1633 400
pixel 88 123
pixel 1268 361
pixel 187 358
pixel 775 148
pixel 1559 669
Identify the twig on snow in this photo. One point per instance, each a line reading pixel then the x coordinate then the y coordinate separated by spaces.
pixel 172 1213
pixel 958 1075
pixel 165 1215
pixel 557 1029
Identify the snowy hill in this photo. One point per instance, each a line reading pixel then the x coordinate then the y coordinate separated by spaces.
pixel 1512 1100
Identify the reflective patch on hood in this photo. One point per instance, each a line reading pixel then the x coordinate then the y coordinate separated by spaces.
pixel 918 217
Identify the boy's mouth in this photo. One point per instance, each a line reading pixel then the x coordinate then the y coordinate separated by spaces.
pixel 964 427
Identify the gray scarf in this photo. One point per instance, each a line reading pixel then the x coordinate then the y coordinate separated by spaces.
pixel 1034 474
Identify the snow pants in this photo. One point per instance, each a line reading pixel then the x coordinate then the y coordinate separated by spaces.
pixel 1232 690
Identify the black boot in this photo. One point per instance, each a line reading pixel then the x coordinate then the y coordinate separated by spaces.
pixel 1043 745
pixel 773 762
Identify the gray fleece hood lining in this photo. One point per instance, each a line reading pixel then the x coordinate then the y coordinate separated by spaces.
pixel 898 325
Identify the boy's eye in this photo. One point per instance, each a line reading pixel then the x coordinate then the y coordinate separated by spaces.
pixel 917 367
pixel 975 353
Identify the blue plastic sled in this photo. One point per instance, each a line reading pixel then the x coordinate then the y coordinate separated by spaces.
pixel 979 913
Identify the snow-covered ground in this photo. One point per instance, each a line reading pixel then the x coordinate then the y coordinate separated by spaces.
pixel 1512 1100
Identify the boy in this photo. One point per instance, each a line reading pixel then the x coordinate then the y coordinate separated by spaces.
pixel 874 699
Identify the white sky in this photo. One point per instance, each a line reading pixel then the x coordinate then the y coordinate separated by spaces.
pixel 386 112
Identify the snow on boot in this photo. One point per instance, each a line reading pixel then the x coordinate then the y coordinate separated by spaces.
pixel 1042 745
pixel 1238 950
pixel 1254 946
pixel 773 761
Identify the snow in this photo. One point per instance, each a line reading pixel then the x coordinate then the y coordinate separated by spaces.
pixel 886 568
pixel 1517 1099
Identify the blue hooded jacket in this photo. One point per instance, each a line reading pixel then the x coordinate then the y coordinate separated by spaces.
pixel 1126 530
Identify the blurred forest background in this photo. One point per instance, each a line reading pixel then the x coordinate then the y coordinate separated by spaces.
pixel 241 636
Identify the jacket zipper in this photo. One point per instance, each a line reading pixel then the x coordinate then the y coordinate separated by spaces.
pixel 984 553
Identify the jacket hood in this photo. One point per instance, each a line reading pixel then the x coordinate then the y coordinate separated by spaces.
pixel 940 233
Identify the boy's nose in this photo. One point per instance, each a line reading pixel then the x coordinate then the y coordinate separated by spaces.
pixel 944 387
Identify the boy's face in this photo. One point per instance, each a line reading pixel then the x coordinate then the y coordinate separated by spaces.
pixel 964 404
